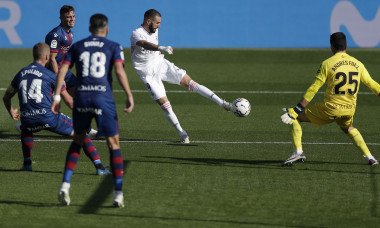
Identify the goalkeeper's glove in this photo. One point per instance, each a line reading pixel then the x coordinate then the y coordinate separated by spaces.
pixel 291 114
pixel 167 49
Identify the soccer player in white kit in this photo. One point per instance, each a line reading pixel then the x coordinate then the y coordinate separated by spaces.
pixel 153 68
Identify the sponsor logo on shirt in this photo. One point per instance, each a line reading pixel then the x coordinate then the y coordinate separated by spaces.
pixel 38 127
pixel 96 111
pixel 100 88
pixel 34 112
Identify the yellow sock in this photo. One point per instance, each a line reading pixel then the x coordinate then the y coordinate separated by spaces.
pixel 296 130
pixel 358 141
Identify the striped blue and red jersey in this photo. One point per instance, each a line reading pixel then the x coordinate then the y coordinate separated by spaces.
pixel 59 41
pixel 94 58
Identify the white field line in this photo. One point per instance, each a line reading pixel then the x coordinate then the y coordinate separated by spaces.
pixel 200 142
pixel 222 91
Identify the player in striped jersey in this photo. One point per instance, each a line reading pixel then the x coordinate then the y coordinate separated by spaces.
pixel 95 57
pixel 343 74
pixel 60 39
pixel 34 85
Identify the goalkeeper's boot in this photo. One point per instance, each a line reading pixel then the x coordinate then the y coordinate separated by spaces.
pixel 185 137
pixel 296 156
pixel 372 161
pixel 118 199
pixel 18 127
pixel 63 195
pixel 227 106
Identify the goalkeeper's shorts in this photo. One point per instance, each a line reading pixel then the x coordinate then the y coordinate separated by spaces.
pixel 322 113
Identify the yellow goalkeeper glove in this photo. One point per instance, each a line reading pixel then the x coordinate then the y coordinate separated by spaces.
pixel 291 114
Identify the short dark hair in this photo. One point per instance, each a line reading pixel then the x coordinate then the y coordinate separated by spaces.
pixel 39 50
pixel 151 14
pixel 338 41
pixel 66 9
pixel 98 21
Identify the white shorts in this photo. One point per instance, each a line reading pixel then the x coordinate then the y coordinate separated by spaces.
pixel 166 71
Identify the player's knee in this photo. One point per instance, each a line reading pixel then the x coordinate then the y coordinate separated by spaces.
pixel 185 81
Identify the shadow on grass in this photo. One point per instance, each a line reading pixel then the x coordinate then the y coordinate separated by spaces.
pixel 105 188
pixel 30 204
pixel 231 222
pixel 268 164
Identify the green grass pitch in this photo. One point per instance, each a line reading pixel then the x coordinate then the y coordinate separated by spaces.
pixel 229 176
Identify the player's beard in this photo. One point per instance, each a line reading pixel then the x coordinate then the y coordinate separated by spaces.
pixel 151 29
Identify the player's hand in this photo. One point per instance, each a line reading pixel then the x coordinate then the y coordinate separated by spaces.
pixel 55 107
pixel 14 113
pixel 289 116
pixel 129 105
pixel 167 49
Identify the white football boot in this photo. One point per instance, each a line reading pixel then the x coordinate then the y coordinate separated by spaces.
pixel 185 137
pixel 92 133
pixel 63 195
pixel 371 160
pixel 227 106
pixel 296 156
pixel 118 199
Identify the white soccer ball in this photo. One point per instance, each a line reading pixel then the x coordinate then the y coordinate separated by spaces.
pixel 241 107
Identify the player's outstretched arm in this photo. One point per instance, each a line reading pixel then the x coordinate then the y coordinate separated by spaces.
pixel 58 85
pixel 154 47
pixel 123 80
pixel 7 99
pixel 291 114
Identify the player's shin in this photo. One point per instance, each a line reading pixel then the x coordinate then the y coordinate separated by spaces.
pixel 296 131
pixel 171 117
pixel 71 161
pixel 204 91
pixel 117 167
pixel 27 143
pixel 359 142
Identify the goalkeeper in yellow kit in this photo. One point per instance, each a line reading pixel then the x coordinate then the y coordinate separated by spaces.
pixel 343 74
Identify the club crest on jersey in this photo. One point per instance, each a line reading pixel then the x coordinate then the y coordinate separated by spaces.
pixel 53 44
pixel 55 35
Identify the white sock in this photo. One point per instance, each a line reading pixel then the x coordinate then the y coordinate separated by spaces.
pixel 204 91
pixel 171 117
pixel 65 186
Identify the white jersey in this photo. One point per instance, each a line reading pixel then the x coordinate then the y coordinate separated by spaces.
pixel 145 61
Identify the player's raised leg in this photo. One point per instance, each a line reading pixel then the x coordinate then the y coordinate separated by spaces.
pixel 193 86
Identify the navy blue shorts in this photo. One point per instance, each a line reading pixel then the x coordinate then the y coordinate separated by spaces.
pixel 60 124
pixel 103 110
